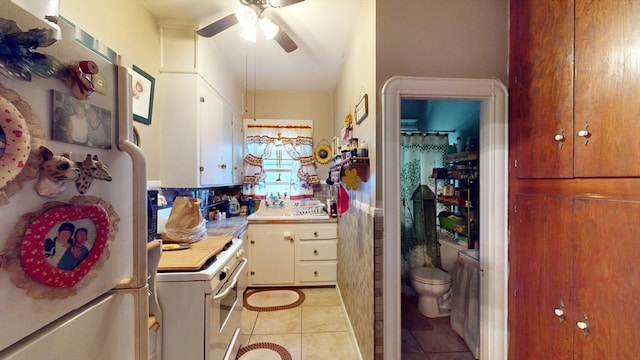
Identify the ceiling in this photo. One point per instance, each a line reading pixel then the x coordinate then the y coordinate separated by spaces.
pixel 321 28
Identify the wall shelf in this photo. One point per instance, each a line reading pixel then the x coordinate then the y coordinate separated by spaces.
pixel 360 164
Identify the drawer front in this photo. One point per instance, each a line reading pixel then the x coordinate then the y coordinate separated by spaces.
pixel 318 250
pixel 317 232
pixel 317 272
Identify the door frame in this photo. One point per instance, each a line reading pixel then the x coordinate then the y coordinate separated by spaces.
pixel 492 95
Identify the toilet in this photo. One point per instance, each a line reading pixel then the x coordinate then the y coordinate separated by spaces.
pixel 434 285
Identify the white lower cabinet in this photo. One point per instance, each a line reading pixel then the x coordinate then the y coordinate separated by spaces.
pixel 293 254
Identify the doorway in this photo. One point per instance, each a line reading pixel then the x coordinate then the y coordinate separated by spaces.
pixel 492 96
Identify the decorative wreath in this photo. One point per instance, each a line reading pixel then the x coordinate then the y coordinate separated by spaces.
pixel 323 153
pixel 23 135
pixel 29 256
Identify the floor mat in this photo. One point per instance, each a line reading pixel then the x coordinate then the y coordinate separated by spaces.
pixel 263 351
pixel 272 299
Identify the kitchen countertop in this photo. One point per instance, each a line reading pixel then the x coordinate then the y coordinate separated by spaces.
pixel 232 226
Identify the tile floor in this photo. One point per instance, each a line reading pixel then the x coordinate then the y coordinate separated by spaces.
pixel 429 339
pixel 317 329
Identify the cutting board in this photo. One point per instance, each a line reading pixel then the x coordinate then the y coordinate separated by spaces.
pixel 192 259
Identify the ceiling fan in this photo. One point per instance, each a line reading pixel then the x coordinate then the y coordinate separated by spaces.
pixel 250 15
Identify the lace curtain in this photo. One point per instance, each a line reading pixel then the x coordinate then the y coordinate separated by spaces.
pixel 264 137
pixel 419 154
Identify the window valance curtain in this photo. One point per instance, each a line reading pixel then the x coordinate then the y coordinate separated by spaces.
pixel 264 137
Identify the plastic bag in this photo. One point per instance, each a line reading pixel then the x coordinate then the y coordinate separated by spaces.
pixel 185 223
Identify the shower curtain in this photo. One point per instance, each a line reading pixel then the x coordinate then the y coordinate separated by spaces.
pixel 419 154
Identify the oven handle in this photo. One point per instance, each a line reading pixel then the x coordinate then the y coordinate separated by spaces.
pixel 236 274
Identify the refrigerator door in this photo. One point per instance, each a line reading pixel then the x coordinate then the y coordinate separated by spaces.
pixel 104 329
pixel 123 264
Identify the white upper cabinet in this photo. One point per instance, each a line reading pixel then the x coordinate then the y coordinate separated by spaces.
pixel 199 145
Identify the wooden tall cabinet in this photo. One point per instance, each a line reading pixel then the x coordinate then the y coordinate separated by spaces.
pixel 574 179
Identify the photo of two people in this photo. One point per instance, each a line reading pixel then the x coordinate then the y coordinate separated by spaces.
pixel 69 243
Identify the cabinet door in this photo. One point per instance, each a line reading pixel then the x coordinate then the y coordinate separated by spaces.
pixel 607 274
pixel 272 257
pixel 238 147
pixel 541 278
pixel 215 139
pixel 541 88
pixel 607 88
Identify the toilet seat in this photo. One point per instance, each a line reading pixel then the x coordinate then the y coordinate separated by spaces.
pixel 431 276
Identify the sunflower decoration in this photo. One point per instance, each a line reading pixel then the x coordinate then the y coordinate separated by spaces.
pixel 351 179
pixel 348 121
pixel 323 153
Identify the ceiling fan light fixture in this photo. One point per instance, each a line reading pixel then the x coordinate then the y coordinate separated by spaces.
pixel 246 16
pixel 249 32
pixel 269 28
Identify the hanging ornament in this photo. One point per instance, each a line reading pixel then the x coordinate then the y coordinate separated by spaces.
pixel 351 179
pixel 323 152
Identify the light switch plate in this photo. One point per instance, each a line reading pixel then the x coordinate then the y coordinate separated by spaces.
pixel 99 83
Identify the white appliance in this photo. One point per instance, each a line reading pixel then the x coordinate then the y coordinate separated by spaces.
pixel 201 309
pixel 107 318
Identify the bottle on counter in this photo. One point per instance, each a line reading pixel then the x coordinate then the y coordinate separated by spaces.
pixel 250 206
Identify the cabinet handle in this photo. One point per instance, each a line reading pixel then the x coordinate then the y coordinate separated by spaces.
pixel 560 312
pixel 315 252
pixel 223 166
pixel 584 133
pixel 560 138
pixel 583 325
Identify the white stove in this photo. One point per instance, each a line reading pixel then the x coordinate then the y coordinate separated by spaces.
pixel 201 309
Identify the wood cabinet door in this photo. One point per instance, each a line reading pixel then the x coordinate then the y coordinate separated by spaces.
pixel 607 88
pixel 541 278
pixel 541 88
pixel 607 279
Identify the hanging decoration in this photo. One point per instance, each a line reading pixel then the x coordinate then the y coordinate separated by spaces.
pixel 56 251
pixel 20 134
pixel 18 58
pixel 351 179
pixel 323 152
pixel 348 125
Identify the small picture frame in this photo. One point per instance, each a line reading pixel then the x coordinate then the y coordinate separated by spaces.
pixel 362 109
pixel 142 90
pixel 79 122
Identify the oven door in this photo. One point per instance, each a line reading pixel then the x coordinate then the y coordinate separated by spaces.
pixel 224 309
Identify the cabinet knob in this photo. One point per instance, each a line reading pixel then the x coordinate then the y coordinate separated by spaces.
pixel 315 233
pixel 315 273
pixel 583 325
pixel 223 166
pixel 315 252
pixel 584 133
pixel 559 137
pixel 559 311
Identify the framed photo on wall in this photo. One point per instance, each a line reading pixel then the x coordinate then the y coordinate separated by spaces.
pixel 143 86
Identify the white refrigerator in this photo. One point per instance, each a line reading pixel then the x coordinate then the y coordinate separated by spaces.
pixel 103 312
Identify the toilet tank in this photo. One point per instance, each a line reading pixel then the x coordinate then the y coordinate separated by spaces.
pixel 449 253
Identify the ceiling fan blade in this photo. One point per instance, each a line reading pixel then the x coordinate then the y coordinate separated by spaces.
pixel 218 26
pixel 285 41
pixel 282 3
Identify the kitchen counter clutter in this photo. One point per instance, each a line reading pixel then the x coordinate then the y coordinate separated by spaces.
pixel 233 226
